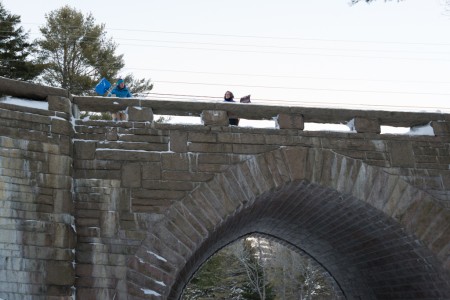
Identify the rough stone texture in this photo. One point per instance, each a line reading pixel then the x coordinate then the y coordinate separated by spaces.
pixel 140 114
pixel 27 90
pixel 215 117
pixel 38 240
pixel 152 202
pixel 441 128
pixel 59 104
pixel 402 154
pixel 365 125
pixel 288 121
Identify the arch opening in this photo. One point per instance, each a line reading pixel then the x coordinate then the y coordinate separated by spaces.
pixel 257 265
pixel 369 254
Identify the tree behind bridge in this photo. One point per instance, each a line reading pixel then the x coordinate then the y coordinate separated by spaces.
pixel 15 50
pixel 77 53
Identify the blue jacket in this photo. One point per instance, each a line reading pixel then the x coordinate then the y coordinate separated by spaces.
pixel 121 93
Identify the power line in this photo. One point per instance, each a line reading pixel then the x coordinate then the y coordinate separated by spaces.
pixel 181 97
pixel 265 37
pixel 285 76
pixel 279 76
pixel 264 46
pixel 280 38
pixel 306 88
pixel 292 53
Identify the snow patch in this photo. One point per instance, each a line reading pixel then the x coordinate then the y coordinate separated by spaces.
pixel 150 292
pixel 416 130
pixel 24 102
pixel 157 256
pixel 121 150
pixel 422 130
pixel 327 127
pixel 57 118
pixel 160 283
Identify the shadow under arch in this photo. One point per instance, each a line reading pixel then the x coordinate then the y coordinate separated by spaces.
pixel 355 220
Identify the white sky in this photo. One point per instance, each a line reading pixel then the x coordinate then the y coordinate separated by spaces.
pixel 386 55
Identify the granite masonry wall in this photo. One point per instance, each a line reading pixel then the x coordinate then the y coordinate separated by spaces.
pixel 130 210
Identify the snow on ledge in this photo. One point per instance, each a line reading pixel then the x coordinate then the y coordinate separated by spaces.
pixel 24 102
pixel 416 130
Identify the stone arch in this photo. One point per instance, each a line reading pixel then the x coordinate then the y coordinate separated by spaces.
pixel 377 235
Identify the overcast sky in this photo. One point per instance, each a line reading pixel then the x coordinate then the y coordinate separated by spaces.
pixel 390 55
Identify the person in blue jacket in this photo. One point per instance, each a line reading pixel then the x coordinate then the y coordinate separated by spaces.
pixel 120 91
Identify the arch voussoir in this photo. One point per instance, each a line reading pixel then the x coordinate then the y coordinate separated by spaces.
pixel 295 158
pixel 342 212
pixel 197 215
pixel 277 167
pixel 208 209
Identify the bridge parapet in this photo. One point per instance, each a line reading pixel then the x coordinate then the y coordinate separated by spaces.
pixel 288 117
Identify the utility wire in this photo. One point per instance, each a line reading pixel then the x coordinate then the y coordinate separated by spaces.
pixel 258 45
pixel 284 76
pixel 305 88
pixel 263 37
pixel 261 75
pixel 180 97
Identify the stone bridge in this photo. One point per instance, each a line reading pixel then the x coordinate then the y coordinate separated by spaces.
pixel 130 210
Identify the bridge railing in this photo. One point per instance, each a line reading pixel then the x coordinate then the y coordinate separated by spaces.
pixel 217 113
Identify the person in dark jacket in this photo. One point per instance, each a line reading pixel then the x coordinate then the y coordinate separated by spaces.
pixel 229 97
pixel 120 91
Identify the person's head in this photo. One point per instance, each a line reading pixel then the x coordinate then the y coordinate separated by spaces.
pixel 121 83
pixel 228 95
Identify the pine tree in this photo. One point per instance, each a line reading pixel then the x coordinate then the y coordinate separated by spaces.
pixel 15 50
pixel 78 53
pixel 220 277
pixel 138 86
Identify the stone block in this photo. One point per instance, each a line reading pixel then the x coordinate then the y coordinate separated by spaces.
pixel 366 125
pixel 84 149
pixel 441 128
pixel 111 134
pixel 54 181
pixel 112 154
pixel 290 121
pixel 109 223
pixel 140 114
pixel 209 147
pixel 175 161
pixel 215 117
pixel 60 126
pixel 60 273
pixel 59 164
pixel 151 170
pixel 402 154
pixel 178 141
pixel 202 137
pixel 65 236
pixel 240 138
pixel 63 202
pixel 58 103
pixel 131 175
